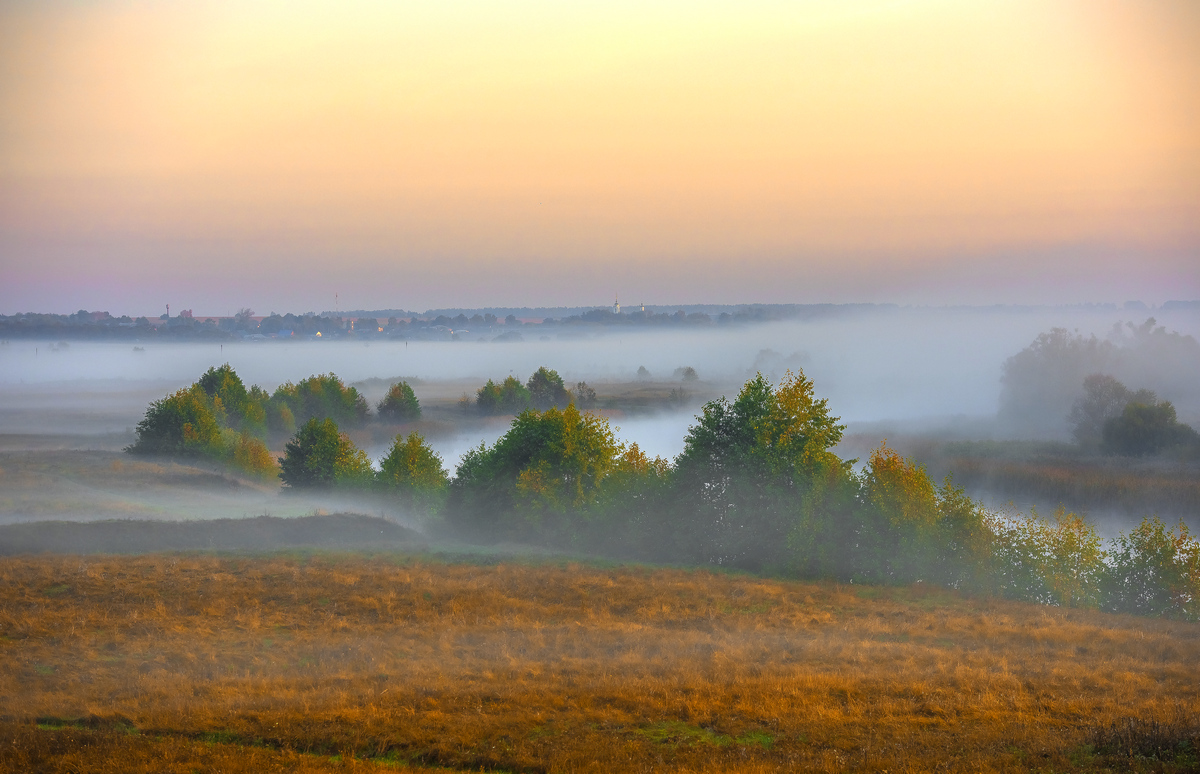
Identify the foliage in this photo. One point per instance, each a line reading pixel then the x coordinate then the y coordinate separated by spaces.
pixel 1146 428
pixel 252 456
pixel 1057 562
pixel 181 424
pixel 195 422
pixel 508 397
pixel 584 396
pixel 1103 398
pixel 548 465
pixel 227 392
pixel 399 405
pixel 749 468
pixel 686 373
pixel 319 397
pixel 1041 383
pixel 412 473
pixel 546 389
pixel 1155 571
pixel 321 456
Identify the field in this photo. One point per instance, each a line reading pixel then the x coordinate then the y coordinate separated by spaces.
pixel 408 661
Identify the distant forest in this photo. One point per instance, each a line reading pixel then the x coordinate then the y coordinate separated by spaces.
pixel 503 324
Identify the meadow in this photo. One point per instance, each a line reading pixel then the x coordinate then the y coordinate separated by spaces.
pixel 356 661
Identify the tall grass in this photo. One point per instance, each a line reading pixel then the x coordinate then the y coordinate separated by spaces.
pixel 553 666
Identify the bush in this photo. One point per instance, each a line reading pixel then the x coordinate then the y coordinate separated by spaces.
pixel 399 405
pixel 1155 571
pixel 1058 562
pixel 252 456
pixel 321 456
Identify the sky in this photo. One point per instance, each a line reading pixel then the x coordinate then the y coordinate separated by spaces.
pixel 219 155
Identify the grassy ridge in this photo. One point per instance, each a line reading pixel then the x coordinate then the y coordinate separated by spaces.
pixel 259 533
pixel 554 666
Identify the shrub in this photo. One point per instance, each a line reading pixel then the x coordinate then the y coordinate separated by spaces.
pixel 1154 571
pixel 1053 562
pixel 252 456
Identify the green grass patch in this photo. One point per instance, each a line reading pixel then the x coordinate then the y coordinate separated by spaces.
pixel 676 733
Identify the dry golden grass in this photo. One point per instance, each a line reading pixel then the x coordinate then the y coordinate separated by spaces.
pixel 556 667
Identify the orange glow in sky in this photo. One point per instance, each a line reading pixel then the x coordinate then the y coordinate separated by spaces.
pixel 467 153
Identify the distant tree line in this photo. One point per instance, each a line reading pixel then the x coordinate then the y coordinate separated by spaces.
pixel 1112 418
pixel 1042 384
pixel 756 487
pixel 217 417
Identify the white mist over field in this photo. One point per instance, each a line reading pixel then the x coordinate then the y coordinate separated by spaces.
pixel 887 364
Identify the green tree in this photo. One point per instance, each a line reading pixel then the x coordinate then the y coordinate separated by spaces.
pixel 1154 571
pixel 1040 382
pixel 584 396
pixel 413 474
pixel 508 397
pixel 321 456
pixel 324 396
pixel 399 405
pixel 180 424
pixel 1145 428
pixel 546 389
pixel 545 469
pixel 751 467
pixel 1053 562
pixel 225 388
pixel 1103 398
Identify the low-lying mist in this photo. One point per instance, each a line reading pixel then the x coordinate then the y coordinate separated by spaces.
pixel 886 364
pixel 905 374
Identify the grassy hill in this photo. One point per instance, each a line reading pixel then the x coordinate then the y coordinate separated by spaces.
pixel 398 661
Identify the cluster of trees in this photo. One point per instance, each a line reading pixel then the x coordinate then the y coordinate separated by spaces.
pixel 219 418
pixel 1041 383
pixel 544 389
pixel 321 456
pixel 1112 418
pixel 757 486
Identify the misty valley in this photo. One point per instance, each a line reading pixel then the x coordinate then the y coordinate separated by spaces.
pixel 876 539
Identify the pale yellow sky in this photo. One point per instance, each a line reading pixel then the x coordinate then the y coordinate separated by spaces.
pixel 494 153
